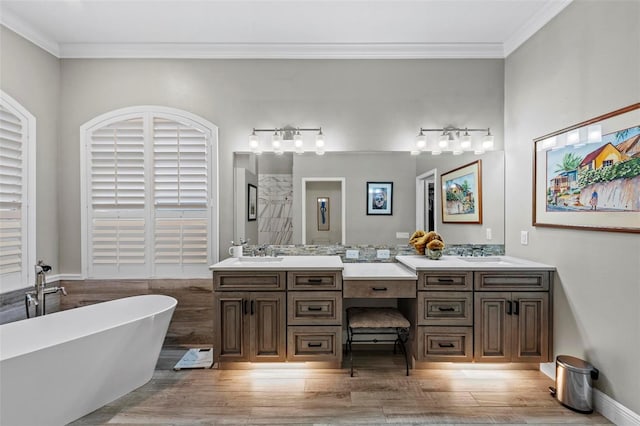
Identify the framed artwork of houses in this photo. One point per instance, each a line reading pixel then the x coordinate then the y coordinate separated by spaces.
pixel 462 194
pixel 587 176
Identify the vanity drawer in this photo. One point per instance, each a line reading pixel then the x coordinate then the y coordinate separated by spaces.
pixel 314 343
pixel 249 280
pixel 314 308
pixel 380 289
pixel 445 308
pixel 314 280
pixel 445 280
pixel 448 344
pixel 512 280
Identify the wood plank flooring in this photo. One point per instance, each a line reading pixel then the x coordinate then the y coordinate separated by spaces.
pixel 379 394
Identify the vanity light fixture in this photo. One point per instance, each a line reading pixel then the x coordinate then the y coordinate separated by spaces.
pixel 286 138
pixel 456 140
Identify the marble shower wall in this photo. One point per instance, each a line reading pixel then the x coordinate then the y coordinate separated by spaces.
pixel 275 200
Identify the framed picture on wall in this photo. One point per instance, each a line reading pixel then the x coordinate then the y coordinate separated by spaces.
pixel 379 198
pixel 462 194
pixel 252 203
pixel 587 176
pixel 323 213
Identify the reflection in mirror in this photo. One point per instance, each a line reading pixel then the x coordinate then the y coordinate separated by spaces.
pixel 279 180
pixel 272 175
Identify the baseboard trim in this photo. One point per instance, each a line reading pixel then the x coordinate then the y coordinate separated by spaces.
pixel 602 403
pixel 548 369
pixel 613 410
pixel 66 277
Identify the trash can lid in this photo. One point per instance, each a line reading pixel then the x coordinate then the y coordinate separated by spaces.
pixel 574 364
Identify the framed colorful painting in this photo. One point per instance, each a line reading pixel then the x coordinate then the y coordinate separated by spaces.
pixel 587 176
pixel 462 194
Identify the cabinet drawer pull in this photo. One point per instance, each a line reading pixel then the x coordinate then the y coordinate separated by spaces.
pixel 508 307
pixel 516 307
pixel 445 280
pixel 446 345
pixel 314 345
pixel 244 306
pixel 315 280
pixel 252 307
pixel 314 308
pixel 449 309
pixel 379 288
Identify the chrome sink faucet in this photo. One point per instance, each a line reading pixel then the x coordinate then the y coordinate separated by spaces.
pixel 37 297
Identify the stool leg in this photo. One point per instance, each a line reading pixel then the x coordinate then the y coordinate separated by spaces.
pixel 350 348
pixel 403 335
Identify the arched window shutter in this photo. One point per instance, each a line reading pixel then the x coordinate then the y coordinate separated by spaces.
pixel 149 193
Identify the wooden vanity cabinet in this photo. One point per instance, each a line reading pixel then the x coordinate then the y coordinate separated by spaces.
pixel 250 325
pixel 314 317
pixel 513 324
pixel 444 312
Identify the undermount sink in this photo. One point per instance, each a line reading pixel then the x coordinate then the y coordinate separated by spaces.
pixel 259 259
pixel 487 259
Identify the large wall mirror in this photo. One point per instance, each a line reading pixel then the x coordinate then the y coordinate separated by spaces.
pixel 314 199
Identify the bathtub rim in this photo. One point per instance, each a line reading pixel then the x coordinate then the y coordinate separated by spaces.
pixel 171 305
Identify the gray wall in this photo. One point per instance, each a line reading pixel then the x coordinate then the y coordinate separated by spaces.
pixel 360 104
pixel 582 64
pixel 32 77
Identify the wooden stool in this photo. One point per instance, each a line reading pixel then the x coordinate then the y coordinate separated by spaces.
pixel 368 321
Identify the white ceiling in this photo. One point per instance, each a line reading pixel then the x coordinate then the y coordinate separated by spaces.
pixel 279 28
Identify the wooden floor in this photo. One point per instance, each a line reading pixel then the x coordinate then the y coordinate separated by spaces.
pixel 380 393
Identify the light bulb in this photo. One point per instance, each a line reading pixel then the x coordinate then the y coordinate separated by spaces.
pixel 421 142
pixel 276 143
pixel 443 141
pixel 487 141
pixel 297 141
pixel 465 140
pixel 320 143
pixel 254 143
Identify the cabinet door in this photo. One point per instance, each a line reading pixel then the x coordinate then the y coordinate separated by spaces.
pixel 268 326
pixel 530 327
pixel 230 326
pixel 493 313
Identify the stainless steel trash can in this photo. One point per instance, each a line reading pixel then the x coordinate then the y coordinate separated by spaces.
pixel 574 383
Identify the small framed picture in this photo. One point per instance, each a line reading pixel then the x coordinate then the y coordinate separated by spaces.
pixel 379 198
pixel 323 213
pixel 252 203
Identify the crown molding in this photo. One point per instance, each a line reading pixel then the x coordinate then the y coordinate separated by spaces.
pixel 17 25
pixel 533 25
pixel 284 50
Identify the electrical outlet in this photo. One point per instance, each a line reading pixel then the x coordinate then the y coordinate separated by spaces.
pixel 524 238
pixel 382 254
pixel 489 235
pixel 353 254
pixel 402 235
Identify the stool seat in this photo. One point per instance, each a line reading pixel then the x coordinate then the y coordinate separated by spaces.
pixel 377 321
pixel 377 318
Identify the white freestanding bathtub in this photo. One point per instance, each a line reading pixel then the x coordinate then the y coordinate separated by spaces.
pixel 56 368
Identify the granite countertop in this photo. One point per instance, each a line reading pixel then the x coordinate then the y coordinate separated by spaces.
pixel 377 271
pixel 284 263
pixel 506 263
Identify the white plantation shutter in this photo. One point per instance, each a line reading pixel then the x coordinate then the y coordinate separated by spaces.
pixel 149 196
pixel 117 165
pixel 13 196
pixel 180 165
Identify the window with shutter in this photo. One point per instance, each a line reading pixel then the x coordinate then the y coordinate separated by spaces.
pixel 17 197
pixel 150 190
